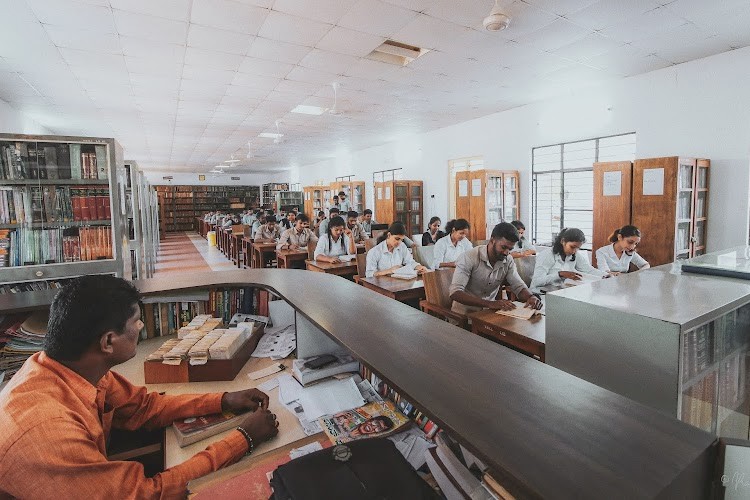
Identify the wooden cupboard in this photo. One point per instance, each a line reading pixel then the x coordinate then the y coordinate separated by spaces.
pixel 670 207
pixel 355 193
pixel 613 182
pixel 486 198
pixel 400 201
pixel 317 198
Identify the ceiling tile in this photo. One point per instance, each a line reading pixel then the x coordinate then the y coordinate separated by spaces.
pixel 273 50
pixel 73 14
pixel 430 33
pixel 144 49
pixel 608 12
pixel 210 59
pixel 351 42
pixel 328 62
pixel 231 42
pixel 263 67
pixel 229 15
pixel 71 38
pixel 178 10
pixel 561 7
pixel 524 19
pixel 554 36
pixel 255 81
pixel 240 91
pixel 150 28
pixel 327 11
pixel 299 87
pixel 293 29
pixel 591 45
pixel 267 4
pixel 152 67
pixel 365 68
pixel 314 76
pixel 199 73
pixel 376 17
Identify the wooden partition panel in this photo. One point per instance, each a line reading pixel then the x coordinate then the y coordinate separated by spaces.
pixel 655 215
pixel 612 206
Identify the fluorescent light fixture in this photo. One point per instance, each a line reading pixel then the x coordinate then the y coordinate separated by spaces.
pixel 270 135
pixel 309 110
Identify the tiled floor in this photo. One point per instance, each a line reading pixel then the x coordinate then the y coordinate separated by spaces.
pixel 189 253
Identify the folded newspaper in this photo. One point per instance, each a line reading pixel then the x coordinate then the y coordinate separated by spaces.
pixel 378 419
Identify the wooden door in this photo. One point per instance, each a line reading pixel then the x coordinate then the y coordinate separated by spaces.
pixel 463 201
pixel 653 213
pixel 613 183
pixel 700 207
pixel 400 195
pixel 308 201
pixel 415 208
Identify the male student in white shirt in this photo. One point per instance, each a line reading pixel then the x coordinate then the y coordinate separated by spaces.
pixel 297 237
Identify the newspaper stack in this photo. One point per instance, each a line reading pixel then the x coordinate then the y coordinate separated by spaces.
pixel 229 343
pixel 198 354
pixel 20 337
pixel 167 346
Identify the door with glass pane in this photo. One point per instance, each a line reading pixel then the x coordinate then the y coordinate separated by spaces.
pixel 700 208
pixel 401 203
pixel 685 194
pixel 511 199
pixel 415 208
pixel 493 204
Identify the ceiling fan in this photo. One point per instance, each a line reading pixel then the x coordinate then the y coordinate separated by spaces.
pixel 232 162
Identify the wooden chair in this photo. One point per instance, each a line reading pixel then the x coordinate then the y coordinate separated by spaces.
pixel 424 255
pixel 437 301
pixel 377 232
pixel 361 267
pixel 370 244
pixel 525 267
pixel 479 243
pixel 417 239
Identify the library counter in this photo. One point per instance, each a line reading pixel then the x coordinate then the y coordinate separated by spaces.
pixel 543 433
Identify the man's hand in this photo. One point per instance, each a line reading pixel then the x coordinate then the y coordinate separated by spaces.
pixel 569 275
pixel 239 401
pixel 335 260
pixel 348 232
pixel 421 269
pixel 293 247
pixel 261 425
pixel 533 302
pixel 502 305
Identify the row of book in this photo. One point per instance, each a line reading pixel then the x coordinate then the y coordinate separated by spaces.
pixel 19 205
pixel 34 286
pixel 25 247
pixel 21 335
pixel 40 160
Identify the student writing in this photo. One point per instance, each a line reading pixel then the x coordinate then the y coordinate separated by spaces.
pixel 298 236
pixel 523 248
pixel 358 232
pixel 433 232
pixel 563 261
pixel 391 254
pixel 450 247
pixel 336 242
pixel 269 231
pixel 617 257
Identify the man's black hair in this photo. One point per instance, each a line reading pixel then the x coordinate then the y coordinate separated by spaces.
pixel 505 230
pixel 84 310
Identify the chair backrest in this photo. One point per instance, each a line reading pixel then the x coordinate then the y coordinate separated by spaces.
pixel 424 255
pixel 247 230
pixel 377 232
pixel 238 228
pixel 436 287
pixel 370 243
pixel 525 267
pixel 417 239
pixel 362 264
pixel 311 251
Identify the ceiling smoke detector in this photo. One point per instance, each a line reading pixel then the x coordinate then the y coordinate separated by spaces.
pixel 496 21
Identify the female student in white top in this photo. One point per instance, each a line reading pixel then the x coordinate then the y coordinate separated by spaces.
pixel 563 261
pixel 617 257
pixel 522 248
pixel 337 241
pixel 390 253
pixel 450 247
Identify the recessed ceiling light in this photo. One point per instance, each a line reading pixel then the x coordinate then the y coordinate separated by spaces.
pixel 270 135
pixel 309 110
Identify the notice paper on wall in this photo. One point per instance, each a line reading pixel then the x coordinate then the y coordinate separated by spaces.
pixel 476 187
pixel 387 192
pixel 653 182
pixel 612 183
pixel 380 193
pixel 463 188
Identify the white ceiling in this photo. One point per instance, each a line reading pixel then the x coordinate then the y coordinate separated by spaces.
pixel 183 84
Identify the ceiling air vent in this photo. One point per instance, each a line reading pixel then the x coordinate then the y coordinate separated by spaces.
pixel 393 52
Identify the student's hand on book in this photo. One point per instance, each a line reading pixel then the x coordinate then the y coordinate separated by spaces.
pixel 261 425
pixel 501 305
pixel 533 302
pixel 569 275
pixel 239 401
pixel 420 269
pixel 293 247
pixel 335 260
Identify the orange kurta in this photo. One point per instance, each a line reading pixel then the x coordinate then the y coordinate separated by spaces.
pixel 54 426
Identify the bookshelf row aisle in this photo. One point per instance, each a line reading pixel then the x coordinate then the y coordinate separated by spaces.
pixel 182 204
pixel 57 221
pixel 140 210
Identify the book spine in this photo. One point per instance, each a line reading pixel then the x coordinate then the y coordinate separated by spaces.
pixel 84 200
pixel 75 161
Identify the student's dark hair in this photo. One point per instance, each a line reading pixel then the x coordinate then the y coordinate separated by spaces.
pixel 84 310
pixel 333 210
pixel 321 213
pixel 457 224
pixel 433 220
pixel 341 193
pixel 397 228
pixel 505 230
pixel 367 212
pixel 302 218
pixel 352 213
pixel 269 218
pixel 519 225
pixel 567 234
pixel 335 222
pixel 626 232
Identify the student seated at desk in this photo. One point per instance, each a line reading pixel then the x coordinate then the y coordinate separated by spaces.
pixel 230 221
pixel 617 257
pixel 358 232
pixel 391 253
pixel 451 246
pixel 323 228
pixel 433 232
pixel 523 248
pixel 336 242
pixel 57 412
pixel 367 221
pixel 318 221
pixel 563 261
pixel 288 221
pixel 483 270
pixel 268 232
pixel 297 237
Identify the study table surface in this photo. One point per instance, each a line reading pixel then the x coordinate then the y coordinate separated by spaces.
pixel 289 427
pixel 542 432
pixel 395 288
pixel 526 335
pixel 260 249
pixel 287 257
pixel 339 268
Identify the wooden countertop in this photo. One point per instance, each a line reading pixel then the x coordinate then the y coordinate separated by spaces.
pixel 543 432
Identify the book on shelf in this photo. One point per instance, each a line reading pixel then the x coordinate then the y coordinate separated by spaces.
pixel 21 160
pixel 344 363
pixel 520 312
pixel 193 429
pixel 32 204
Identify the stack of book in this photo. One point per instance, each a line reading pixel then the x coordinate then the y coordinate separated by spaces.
pixel 32 160
pixel 20 337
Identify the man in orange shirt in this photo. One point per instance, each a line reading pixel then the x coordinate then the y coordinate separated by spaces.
pixel 57 411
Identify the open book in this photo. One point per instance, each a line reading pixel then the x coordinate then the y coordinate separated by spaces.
pixel 521 311
pixel 585 278
pixel 347 258
pixel 406 272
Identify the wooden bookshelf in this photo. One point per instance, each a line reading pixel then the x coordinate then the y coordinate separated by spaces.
pixel 400 201
pixel 317 198
pixel 269 192
pixel 355 193
pixel 182 204
pixel 486 198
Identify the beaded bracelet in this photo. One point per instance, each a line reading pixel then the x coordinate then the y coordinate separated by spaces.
pixel 250 445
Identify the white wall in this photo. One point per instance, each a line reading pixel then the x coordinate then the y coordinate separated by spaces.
pixel 700 108
pixel 13 121
pixel 191 179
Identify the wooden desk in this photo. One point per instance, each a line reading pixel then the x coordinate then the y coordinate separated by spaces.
pixel 525 335
pixel 286 258
pixel 235 248
pixel 260 250
pixel 289 428
pixel 395 288
pixel 247 250
pixel 340 269
pixel 360 248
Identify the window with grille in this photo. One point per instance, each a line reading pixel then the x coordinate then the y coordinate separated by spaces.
pixel 562 177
